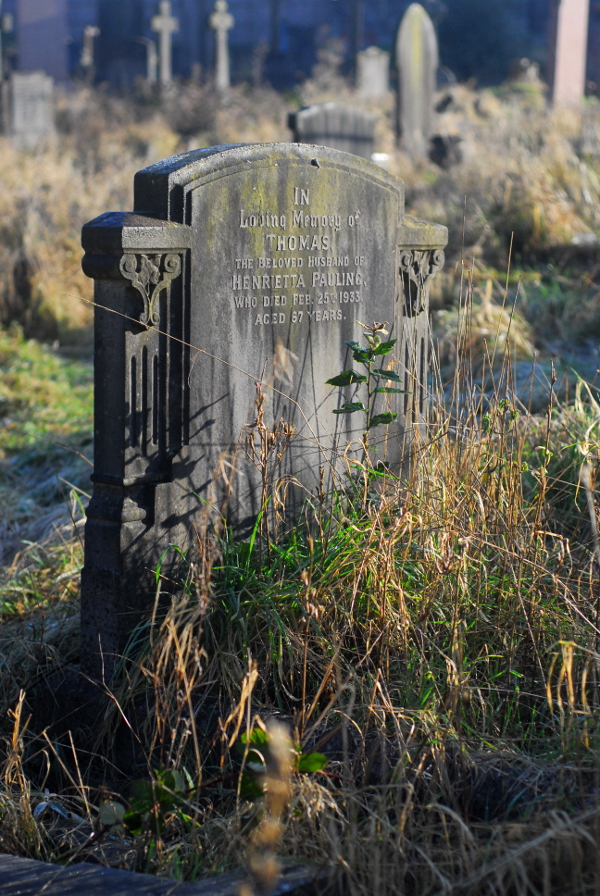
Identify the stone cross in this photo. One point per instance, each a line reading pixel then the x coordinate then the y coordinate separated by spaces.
pixel 373 73
pixel 417 62
pixel 241 266
pixel 330 124
pixel 221 21
pixel 165 25
pixel 90 32
pixel 568 51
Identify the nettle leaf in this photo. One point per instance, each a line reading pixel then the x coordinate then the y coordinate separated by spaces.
pixel 252 787
pixel 350 407
pixel 382 418
pixel 142 796
pixel 389 375
pixel 347 378
pixel 385 347
pixel 257 736
pixel 388 390
pixel 312 762
pixel 111 813
pixel 362 355
pixel 133 822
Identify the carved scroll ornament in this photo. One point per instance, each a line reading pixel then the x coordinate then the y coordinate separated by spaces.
pixel 419 265
pixel 150 275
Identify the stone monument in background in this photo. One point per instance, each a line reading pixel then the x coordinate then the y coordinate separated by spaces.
pixel 242 266
pixel 417 62
pixel 86 61
pixel 221 21
pixel 568 51
pixel 346 128
pixel 373 73
pixel 28 108
pixel 165 25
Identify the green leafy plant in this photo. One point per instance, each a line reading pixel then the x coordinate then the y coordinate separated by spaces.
pixel 256 749
pixel 152 802
pixel 369 357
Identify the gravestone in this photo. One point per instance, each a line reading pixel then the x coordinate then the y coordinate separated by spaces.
pixel 373 73
pixel 341 127
pixel 241 265
pixel 165 25
pixel 417 63
pixel 568 51
pixel 86 61
pixel 221 21
pixel 28 108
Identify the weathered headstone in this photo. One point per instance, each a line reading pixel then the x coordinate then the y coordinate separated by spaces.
pixel 165 25
pixel 221 21
pixel 568 51
pixel 28 108
pixel 244 265
pixel 373 73
pixel 417 62
pixel 346 128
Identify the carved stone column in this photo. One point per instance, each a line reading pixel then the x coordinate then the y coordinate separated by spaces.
pixel 138 264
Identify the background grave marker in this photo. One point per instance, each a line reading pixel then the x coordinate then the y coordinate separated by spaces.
pixel 330 124
pixel 249 264
pixel 417 62
pixel 568 51
pixel 221 21
pixel 165 25
pixel 28 108
pixel 373 73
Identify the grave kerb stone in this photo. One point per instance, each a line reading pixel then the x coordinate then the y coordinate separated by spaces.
pixel 245 265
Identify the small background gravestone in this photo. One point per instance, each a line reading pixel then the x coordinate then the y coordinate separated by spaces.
pixel 28 108
pixel 221 21
pixel 330 124
pixel 568 51
pixel 165 25
pixel 244 265
pixel 417 62
pixel 373 73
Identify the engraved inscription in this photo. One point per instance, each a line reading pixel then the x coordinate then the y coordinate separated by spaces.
pixel 306 269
